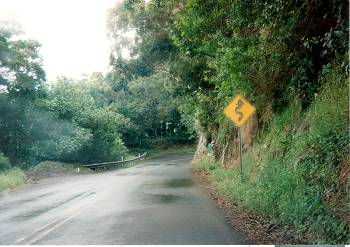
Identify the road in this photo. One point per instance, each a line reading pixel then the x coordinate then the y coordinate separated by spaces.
pixel 154 202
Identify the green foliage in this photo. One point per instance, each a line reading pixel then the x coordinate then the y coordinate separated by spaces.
pixel 11 179
pixel 4 163
pixel 291 174
pixel 56 139
pixel 277 55
pixel 21 68
pixel 98 137
pixel 21 80
pixel 67 121
pixel 148 86
pixel 265 51
pixel 152 109
pixel 187 108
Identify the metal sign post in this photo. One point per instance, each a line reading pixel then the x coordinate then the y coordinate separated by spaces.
pixel 240 152
pixel 239 110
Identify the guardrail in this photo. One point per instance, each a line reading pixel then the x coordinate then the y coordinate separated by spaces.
pixel 120 163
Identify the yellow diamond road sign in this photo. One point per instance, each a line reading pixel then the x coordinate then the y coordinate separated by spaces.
pixel 239 110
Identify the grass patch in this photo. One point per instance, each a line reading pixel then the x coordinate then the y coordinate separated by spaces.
pixel 206 165
pixel 12 178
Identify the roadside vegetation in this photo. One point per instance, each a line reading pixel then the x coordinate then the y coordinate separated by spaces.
pixel 290 59
pixel 295 173
pixel 187 60
pixel 12 178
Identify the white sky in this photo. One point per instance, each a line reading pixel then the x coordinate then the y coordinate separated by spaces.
pixel 73 33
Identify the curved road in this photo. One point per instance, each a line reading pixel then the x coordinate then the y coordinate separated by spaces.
pixel 154 202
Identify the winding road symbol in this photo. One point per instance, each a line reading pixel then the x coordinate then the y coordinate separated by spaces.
pixel 239 110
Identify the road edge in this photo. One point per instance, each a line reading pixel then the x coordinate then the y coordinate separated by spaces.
pixel 253 227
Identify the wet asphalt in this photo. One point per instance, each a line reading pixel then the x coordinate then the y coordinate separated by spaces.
pixel 154 202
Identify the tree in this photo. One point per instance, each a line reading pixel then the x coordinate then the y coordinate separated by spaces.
pixel 21 82
pixel 146 84
pixel 21 66
pixel 73 101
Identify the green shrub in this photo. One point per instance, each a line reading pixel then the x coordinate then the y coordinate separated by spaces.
pixel 4 163
pixel 11 179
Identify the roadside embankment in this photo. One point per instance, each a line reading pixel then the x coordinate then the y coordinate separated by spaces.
pixel 14 177
pixel 296 172
pixel 47 169
pixel 256 228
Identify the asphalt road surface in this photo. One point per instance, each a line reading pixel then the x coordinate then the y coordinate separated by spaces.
pixel 154 202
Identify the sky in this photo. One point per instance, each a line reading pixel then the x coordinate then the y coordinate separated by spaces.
pixel 73 33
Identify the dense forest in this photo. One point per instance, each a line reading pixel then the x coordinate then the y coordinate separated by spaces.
pixel 187 60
